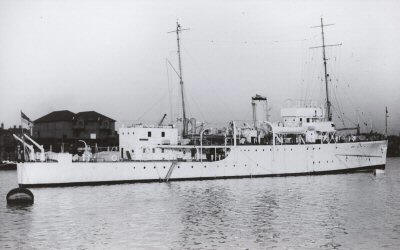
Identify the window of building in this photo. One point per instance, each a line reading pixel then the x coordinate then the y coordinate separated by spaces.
pixel 301 119
pixel 162 150
pixel 308 119
pixel 149 134
pixel 144 150
pixel 154 150
pixel 162 134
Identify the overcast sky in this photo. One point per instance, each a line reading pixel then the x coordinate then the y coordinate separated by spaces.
pixel 110 56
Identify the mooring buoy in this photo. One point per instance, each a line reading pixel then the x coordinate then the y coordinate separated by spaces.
pixel 20 196
pixel 379 171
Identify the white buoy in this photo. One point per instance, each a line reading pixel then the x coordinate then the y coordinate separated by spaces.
pixel 379 171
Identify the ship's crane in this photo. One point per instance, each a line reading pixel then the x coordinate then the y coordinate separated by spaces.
pixel 162 120
pixel 30 148
pixel 40 147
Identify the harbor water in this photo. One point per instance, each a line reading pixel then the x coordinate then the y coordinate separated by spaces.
pixel 349 211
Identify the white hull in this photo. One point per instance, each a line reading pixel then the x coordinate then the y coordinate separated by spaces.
pixel 242 161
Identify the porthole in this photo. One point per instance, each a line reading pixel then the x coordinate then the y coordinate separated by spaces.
pixel 179 167
pixel 154 167
pixel 191 166
pixel 204 166
pixel 163 166
pixel 144 167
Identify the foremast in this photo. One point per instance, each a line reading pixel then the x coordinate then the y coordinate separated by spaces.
pixel 184 119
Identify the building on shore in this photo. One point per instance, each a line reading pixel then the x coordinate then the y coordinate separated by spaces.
pixel 63 130
pixel 11 149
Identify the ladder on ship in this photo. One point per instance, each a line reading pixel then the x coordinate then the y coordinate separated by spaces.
pixel 171 168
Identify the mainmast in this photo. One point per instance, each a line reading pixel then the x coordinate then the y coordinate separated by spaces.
pixel 326 75
pixel 184 123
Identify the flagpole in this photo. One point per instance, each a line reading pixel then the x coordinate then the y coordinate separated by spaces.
pixel 22 135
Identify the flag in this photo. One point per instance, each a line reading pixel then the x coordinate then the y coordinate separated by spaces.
pixel 25 120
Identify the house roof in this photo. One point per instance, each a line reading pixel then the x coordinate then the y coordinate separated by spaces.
pixel 66 115
pixel 57 116
pixel 92 116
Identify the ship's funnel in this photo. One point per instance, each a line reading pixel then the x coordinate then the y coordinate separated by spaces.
pixel 260 109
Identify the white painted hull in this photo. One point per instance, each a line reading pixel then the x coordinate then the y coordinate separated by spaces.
pixel 242 161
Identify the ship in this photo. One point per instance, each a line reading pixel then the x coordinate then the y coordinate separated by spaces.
pixel 304 142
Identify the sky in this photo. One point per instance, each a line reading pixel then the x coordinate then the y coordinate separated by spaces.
pixel 110 56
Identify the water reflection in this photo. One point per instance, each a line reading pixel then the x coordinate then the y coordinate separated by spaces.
pixel 263 216
pixel 205 216
pixel 333 225
pixel 18 217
